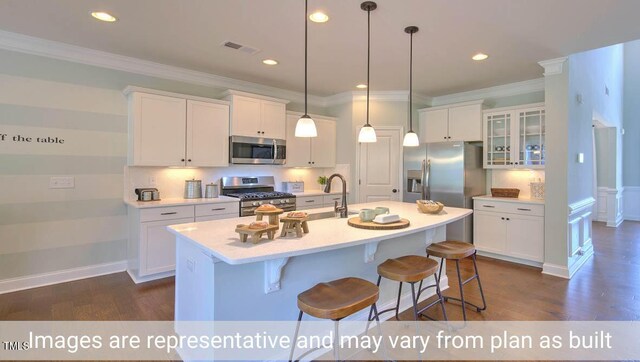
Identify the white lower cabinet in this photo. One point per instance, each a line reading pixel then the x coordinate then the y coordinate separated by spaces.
pixel 509 230
pixel 152 248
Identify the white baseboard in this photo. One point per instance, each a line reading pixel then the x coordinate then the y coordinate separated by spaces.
pixel 587 253
pixel 631 197
pixel 510 259
pixel 149 278
pixel 560 271
pixel 39 280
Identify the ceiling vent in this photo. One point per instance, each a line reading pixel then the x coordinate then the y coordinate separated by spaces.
pixel 243 48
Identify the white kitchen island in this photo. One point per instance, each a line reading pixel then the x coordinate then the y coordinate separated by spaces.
pixel 219 278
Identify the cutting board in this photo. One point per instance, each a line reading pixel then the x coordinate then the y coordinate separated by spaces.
pixel 370 225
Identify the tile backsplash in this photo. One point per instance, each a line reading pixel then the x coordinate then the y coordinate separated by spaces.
pixel 170 181
pixel 518 179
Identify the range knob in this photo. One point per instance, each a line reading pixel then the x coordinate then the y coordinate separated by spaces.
pixel 256 203
pixel 271 202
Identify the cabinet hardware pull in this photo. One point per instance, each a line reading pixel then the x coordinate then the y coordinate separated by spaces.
pixel 507 219
pixel 219 209
pixel 169 213
pixel 310 201
pixel 490 206
pixel 502 218
pixel 182 160
pixel 521 209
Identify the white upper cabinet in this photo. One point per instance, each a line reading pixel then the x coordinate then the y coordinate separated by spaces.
pixel 168 129
pixel 257 116
pixel 156 130
pixel 318 151
pixel 455 122
pixel 207 134
pixel 514 137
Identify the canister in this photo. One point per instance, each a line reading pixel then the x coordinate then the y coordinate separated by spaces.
pixel 211 191
pixel 193 189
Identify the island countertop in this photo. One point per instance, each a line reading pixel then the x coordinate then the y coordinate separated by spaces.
pixel 221 240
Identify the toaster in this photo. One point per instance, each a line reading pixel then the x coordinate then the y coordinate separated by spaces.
pixel 148 194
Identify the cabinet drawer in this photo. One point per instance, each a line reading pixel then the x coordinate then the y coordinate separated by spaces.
pixel 509 207
pixel 329 200
pixel 309 201
pixel 218 209
pixel 166 213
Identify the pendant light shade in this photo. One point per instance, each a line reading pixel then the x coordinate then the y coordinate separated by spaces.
pixel 411 138
pixel 306 127
pixel 368 133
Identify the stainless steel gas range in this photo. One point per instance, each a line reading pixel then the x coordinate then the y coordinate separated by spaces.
pixel 255 191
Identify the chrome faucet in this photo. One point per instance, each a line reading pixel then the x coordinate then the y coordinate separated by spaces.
pixel 344 212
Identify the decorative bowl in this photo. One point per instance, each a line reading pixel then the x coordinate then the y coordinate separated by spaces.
pixel 429 207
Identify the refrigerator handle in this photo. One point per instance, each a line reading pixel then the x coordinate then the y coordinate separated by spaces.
pixel 427 187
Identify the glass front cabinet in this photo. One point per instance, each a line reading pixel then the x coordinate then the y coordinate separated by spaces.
pixel 514 137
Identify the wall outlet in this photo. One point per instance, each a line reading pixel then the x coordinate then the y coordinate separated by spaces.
pixel 580 157
pixel 62 182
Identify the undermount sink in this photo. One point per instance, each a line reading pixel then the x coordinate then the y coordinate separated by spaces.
pixel 327 215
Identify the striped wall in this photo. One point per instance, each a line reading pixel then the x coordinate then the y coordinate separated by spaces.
pixel 43 230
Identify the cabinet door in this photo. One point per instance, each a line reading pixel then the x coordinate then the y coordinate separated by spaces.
pixel 298 148
pixel 525 237
pixel 273 120
pixel 207 134
pixel 323 147
pixel 158 246
pixel 490 232
pixel 159 129
pixel 531 138
pixel 465 123
pixel 245 116
pixel 434 125
pixel 498 145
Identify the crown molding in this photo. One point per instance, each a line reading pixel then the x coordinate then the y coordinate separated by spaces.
pixel 553 66
pixel 505 90
pixel 67 52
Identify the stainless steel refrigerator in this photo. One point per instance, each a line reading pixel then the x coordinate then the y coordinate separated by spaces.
pixel 448 172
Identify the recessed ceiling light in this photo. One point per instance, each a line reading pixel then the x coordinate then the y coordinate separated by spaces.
pixel 270 62
pixel 319 17
pixel 361 86
pixel 480 56
pixel 101 15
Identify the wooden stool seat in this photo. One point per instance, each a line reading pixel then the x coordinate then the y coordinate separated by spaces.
pixel 338 299
pixel 409 268
pixel 450 249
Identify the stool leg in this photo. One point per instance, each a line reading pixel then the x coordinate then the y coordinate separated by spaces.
pixel 295 337
pixel 464 307
pixel 475 267
pixel 373 307
pixel 439 292
pixel 415 301
pixel 398 301
pixel 336 342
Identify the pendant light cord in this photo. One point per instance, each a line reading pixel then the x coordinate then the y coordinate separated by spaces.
pixel 368 58
pixel 306 21
pixel 411 83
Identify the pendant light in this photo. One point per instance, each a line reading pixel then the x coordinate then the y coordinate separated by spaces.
pixel 367 133
pixel 411 138
pixel 305 127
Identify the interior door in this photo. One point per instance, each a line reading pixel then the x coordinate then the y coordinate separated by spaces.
pixel 207 134
pixel 380 171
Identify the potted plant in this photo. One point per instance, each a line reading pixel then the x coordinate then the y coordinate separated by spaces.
pixel 322 180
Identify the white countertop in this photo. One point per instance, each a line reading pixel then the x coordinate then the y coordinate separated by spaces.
pixel 220 238
pixel 509 199
pixel 179 202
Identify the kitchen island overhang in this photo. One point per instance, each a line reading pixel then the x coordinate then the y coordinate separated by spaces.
pixel 220 278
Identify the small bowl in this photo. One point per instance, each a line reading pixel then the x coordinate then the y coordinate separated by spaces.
pixel 429 208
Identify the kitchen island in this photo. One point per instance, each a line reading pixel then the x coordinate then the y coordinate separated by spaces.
pixel 220 278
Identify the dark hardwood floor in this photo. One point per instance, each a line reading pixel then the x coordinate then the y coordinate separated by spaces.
pixel 606 288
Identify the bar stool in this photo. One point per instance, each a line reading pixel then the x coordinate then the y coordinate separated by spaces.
pixel 411 269
pixel 336 300
pixel 458 250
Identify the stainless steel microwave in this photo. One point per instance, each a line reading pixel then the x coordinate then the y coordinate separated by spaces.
pixel 257 151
